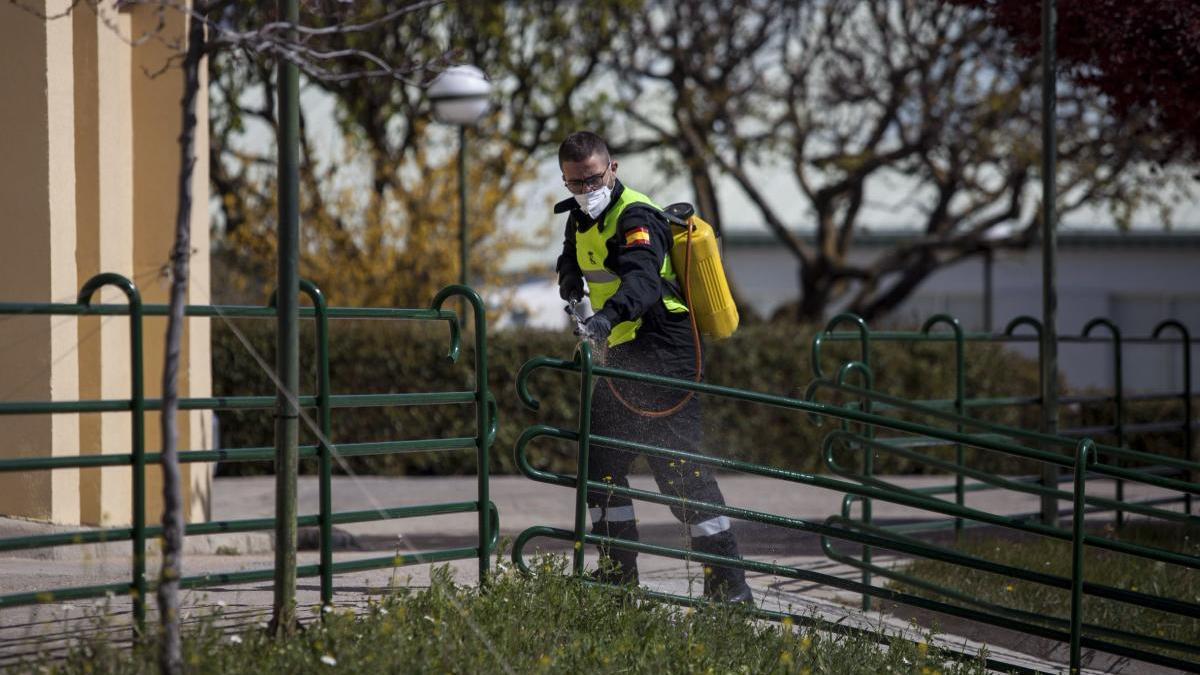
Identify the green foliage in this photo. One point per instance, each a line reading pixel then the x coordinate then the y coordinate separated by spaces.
pixel 550 623
pixel 1101 567
pixel 383 357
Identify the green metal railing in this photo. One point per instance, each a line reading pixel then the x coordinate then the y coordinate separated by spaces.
pixel 908 448
pixel 1083 459
pixel 960 404
pixel 324 401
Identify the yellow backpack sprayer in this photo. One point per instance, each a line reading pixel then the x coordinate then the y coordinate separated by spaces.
pixel 696 258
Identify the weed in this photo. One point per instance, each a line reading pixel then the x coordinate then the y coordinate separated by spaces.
pixel 545 623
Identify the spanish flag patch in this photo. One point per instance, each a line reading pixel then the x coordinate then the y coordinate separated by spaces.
pixel 638 236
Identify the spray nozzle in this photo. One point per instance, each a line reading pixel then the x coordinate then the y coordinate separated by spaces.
pixel 578 324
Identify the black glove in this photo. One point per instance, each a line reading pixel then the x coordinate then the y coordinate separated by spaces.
pixel 570 287
pixel 598 327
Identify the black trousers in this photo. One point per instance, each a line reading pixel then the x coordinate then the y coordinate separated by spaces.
pixel 682 430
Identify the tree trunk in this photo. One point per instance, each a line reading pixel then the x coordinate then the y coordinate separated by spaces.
pixel 815 290
pixel 707 206
pixel 170 656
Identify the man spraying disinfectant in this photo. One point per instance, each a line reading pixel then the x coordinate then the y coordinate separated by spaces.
pixel 621 243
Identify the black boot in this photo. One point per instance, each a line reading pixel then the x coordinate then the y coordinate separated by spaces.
pixel 618 566
pixel 727 584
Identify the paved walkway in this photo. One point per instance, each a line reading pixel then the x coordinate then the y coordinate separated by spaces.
pixel 522 503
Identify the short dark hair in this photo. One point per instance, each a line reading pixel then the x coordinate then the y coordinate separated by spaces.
pixel 581 145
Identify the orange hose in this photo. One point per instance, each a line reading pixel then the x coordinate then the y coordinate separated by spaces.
pixel 687 298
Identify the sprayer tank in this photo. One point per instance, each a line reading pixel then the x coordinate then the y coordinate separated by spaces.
pixel 711 300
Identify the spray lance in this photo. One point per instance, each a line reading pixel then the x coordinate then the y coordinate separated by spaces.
pixel 578 322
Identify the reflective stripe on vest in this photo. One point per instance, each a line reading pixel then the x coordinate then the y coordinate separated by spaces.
pixel 599 276
pixel 591 251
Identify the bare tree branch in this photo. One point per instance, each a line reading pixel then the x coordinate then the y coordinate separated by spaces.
pixel 43 15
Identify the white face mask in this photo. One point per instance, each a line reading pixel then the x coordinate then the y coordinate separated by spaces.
pixel 596 201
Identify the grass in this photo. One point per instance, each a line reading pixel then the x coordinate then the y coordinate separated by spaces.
pixel 1100 566
pixel 548 623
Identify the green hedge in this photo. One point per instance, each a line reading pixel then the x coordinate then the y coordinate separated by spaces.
pixel 380 357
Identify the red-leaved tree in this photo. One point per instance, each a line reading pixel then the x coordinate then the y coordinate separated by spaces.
pixel 1144 55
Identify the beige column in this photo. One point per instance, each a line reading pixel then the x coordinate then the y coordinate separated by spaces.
pixel 156 93
pixel 38 356
pixel 104 206
pixel 199 356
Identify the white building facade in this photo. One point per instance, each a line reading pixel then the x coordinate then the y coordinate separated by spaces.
pixel 1135 279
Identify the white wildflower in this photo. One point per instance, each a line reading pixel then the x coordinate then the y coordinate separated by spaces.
pixel 328 660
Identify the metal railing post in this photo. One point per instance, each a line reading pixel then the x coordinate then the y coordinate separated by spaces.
pixel 868 454
pixel 324 449
pixel 960 387
pixel 137 404
pixel 864 342
pixel 485 417
pixel 1189 451
pixel 1084 455
pixel 1047 398
pixel 1118 397
pixel 484 431
pixel 583 356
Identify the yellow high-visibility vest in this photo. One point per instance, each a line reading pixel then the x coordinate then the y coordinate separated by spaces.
pixel 591 250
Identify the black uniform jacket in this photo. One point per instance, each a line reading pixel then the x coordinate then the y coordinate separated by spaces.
pixel 667 335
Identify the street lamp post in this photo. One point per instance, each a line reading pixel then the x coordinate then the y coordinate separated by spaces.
pixel 460 97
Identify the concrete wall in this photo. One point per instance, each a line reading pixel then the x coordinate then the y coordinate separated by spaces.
pixel 88 169
pixel 104 203
pixel 37 178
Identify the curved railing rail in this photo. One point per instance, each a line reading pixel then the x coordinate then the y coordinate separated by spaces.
pixel 1082 461
pixel 1119 398
pixel 912 449
pixel 324 401
pixel 890 402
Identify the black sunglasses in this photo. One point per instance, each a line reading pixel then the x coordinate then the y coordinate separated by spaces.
pixel 587 184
